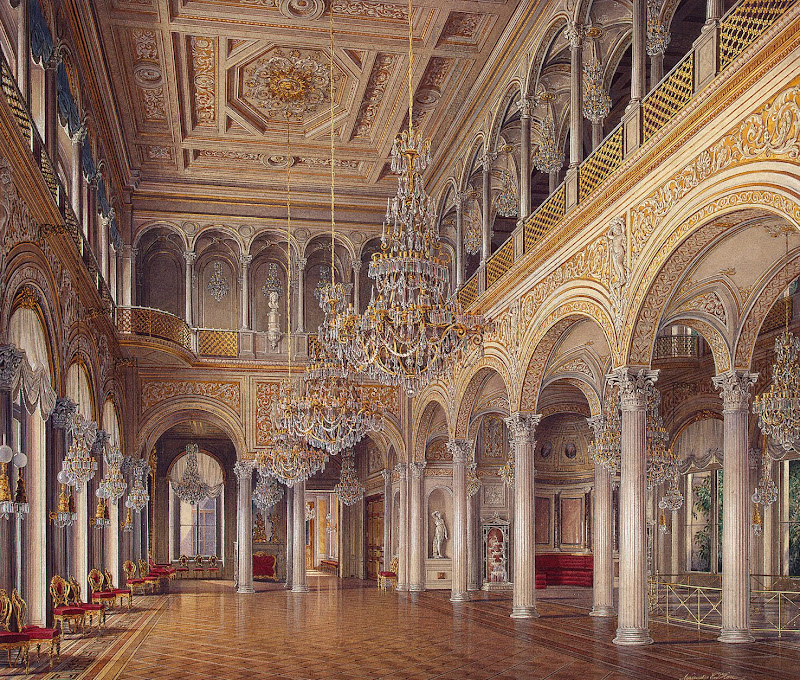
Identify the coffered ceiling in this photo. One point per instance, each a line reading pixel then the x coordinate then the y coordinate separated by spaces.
pixel 192 96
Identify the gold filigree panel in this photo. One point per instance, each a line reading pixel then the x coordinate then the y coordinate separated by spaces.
pixel 154 392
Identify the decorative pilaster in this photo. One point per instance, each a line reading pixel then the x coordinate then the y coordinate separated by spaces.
pixel 525 158
pixel 244 262
pixel 357 286
pixel 388 497
pixel 734 388
pixel 289 535
pixel 632 621
pixel 459 240
pixel 190 257
pixel 244 526
pixel 402 530
pixel 486 212
pixel 301 294
pixel 299 581
pixel 460 450
pixel 522 433
pixel 602 539
pixel 417 522
pixel 574 34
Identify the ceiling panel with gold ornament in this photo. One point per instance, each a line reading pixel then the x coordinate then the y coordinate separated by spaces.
pixel 191 80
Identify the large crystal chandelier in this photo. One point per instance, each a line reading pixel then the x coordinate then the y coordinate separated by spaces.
pixel 472 229
pixel 19 504
pixel 412 328
pixel 218 285
pixel 605 448
pixel 766 492
pixel 506 201
pixel 65 515
pixel 113 484
pixel 191 489
pixel 596 100
pixel 778 409
pixel 267 491
pixel 138 496
pixel 349 489
pixel 549 158
pixel 79 464
pixel 660 459
pixel 658 36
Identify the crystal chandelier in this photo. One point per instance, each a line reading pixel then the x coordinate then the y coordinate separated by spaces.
pixel 138 496
pixel 473 483
pixel 267 491
pixel 596 100
pixel 79 464
pixel 766 492
pixel 658 36
pixel 19 505
pixel 272 284
pixel 65 516
pixel 660 459
pixel 506 202
pixel 549 158
pixel 127 524
pixel 673 499
pixel 605 448
pixel 218 286
pixel 101 516
pixel 472 229
pixel 113 484
pixel 349 489
pixel 191 489
pixel 757 525
pixel 411 330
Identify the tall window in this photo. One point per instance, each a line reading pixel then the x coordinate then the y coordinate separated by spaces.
pixel 794 517
pixel 198 528
pixel 704 521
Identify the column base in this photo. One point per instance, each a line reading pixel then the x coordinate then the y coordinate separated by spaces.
pixel 402 588
pixel 528 612
pixel 416 588
pixel 300 588
pixel 463 596
pixel 735 636
pixel 605 610
pixel 633 636
pixel 245 589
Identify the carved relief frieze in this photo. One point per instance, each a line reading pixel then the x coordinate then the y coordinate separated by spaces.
pixel 266 393
pixel 382 70
pixel 148 74
pixel 710 303
pixel 203 80
pixel 463 28
pixel 156 391
pixel 363 9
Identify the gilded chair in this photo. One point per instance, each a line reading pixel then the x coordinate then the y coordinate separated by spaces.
pixel 98 587
pixel 12 639
pixel 37 634
pixel 213 567
pixel 63 609
pixel 165 570
pixel 198 570
pixel 183 566
pixel 93 611
pixel 136 585
pixel 152 580
pixel 386 578
pixel 120 594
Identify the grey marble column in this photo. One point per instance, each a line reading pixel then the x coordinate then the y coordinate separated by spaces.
pixel 402 530
pixel 388 497
pixel 459 240
pixel 735 387
pixel 486 212
pixel 525 158
pixel 289 535
pixel 299 580
pixel 574 34
pixel 244 525
pixel 714 10
pixel 77 175
pixel 638 51
pixel 189 256
pixel 24 51
pixel 245 261
pixel 632 621
pixel 597 134
pixel 602 539
pixel 522 432
pixel 300 322
pixel 417 526
pixel 459 449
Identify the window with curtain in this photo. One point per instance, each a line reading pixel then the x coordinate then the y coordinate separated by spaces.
pixel 794 517
pixel 704 521
pixel 198 528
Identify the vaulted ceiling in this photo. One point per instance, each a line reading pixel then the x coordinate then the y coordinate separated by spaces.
pixel 189 88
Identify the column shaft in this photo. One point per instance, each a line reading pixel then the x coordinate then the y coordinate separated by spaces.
pixel 387 518
pixel 460 452
pixel 299 582
pixel 602 540
pixel 597 134
pixel 402 530
pixel 486 246
pixel 638 50
pixel 189 256
pixel 244 516
pixel 575 37
pixel 24 51
pixel 714 10
pixel 289 534
pixel 245 261
pixel 416 520
pixel 656 69
pixel 301 299
pixel 525 160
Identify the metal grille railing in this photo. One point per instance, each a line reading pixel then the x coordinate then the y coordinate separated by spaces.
pixel 776 317
pixel 469 291
pixel 677 347
pixel 545 217
pixel 216 343
pixel 600 164
pixel 500 262
pixel 746 22
pixel 154 323
pixel 671 95
pixel 14 99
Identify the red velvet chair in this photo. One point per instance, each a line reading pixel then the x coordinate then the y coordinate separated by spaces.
pixel 99 593
pixel 152 581
pixel 264 567
pixel 63 609
pixel 91 611
pixel 389 577
pixel 183 566
pixel 12 639
pixel 134 584
pixel 161 569
pixel 199 569
pixel 120 594
pixel 37 634
pixel 213 567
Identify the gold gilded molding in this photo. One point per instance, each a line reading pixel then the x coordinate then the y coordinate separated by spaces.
pixel 157 391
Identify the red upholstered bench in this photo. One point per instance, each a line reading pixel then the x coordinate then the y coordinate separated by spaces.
pixel 541 580
pixel 562 569
pixel 264 567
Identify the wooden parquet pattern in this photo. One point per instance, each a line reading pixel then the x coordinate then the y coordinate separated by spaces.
pixel 349 629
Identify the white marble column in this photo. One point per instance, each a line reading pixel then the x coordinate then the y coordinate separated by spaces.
pixel 602 539
pixel 525 158
pixel 403 574
pixel 189 256
pixel 388 497
pixel 24 51
pixel 522 432
pixel 459 449
pixel 289 535
pixel 299 581
pixel 735 387
pixel 714 10
pixel 244 525
pixel 77 175
pixel 632 621
pixel 574 35
pixel 486 212
pixel 597 134
pixel 357 286
pixel 244 280
pixel 638 51
pixel 416 575
pixel 301 295
pixel 459 240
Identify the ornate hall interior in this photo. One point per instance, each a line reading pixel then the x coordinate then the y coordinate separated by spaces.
pixel 400 339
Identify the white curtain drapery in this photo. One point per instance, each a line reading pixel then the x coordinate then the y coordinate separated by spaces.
pixel 33 377
pixel 210 472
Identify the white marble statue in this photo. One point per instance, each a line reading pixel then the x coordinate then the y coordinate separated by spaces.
pixel 439 534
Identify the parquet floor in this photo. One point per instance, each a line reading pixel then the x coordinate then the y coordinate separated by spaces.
pixel 349 629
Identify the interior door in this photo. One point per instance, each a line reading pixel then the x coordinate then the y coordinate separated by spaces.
pixel 374 554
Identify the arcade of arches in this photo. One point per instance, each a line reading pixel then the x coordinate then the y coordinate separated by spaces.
pixel 617 189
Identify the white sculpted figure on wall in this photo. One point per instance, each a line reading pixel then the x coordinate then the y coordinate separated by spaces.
pixel 619 269
pixel 439 534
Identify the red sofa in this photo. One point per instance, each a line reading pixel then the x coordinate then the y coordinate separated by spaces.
pixel 541 580
pixel 562 569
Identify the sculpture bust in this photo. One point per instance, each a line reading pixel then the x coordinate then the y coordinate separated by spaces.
pixel 439 534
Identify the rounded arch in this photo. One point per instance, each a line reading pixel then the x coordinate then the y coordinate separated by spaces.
pixel 171 227
pixel 423 421
pixel 549 35
pixel 470 387
pixel 476 147
pixel 79 388
pixel 223 229
pixel 511 95
pixel 589 390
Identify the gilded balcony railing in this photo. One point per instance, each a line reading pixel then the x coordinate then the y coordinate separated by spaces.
pixel 600 164
pixel 746 22
pixel 500 262
pixel 776 317
pixel 677 347
pixel 669 97
pixel 469 291
pixel 14 99
pixel 154 323
pixel 544 218
pixel 217 343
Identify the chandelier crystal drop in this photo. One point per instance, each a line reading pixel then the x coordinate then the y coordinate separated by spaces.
pixel 658 36
pixel 290 459
pixel 138 496
pixel 79 464
pixel 766 492
pixel 778 408
pixel 660 459
pixel 65 516
pixel 596 100
pixel 605 448
pixel 191 489
pixel 549 158
pixel 349 489
pixel 267 491
pixel 506 202
pixel 218 285
pixel 113 484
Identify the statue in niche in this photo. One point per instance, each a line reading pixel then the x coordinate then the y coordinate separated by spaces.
pixel 439 534
pixel 273 290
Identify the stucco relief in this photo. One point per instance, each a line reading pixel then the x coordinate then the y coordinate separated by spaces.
pixel 266 393
pixel 156 391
